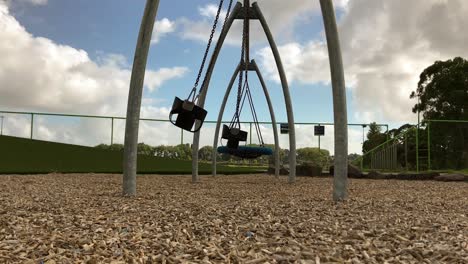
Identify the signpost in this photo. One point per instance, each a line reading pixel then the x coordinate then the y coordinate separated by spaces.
pixel 319 131
pixel 1 129
pixel 284 128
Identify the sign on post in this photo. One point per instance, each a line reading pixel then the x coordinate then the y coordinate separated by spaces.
pixel 319 130
pixel 284 128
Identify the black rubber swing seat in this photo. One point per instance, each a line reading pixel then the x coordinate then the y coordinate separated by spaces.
pixel 233 137
pixel 246 152
pixel 187 114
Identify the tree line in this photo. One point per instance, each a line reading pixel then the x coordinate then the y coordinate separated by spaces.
pixel 442 94
pixel 307 155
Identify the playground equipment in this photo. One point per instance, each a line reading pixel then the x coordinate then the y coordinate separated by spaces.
pixel 189 114
pixel 185 109
pixel 245 12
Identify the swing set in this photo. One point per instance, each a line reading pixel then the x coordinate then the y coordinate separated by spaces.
pixel 189 114
pixel 186 114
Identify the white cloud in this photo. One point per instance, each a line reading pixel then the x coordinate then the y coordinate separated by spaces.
pixel 162 28
pixel 36 2
pixel 306 64
pixel 281 16
pixel 386 45
pixel 41 75
pixel 154 80
pixel 32 2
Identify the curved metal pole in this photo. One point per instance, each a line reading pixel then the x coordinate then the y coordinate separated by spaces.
pixel 287 96
pixel 134 97
pixel 223 107
pixel 340 182
pixel 272 115
pixel 220 117
pixel 209 72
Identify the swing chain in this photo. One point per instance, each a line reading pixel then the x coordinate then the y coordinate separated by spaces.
pixel 205 56
pixel 244 68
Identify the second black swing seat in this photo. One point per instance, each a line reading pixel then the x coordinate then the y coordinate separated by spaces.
pixel 233 137
pixel 187 114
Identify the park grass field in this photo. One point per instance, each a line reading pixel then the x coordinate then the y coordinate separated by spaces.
pixel 25 156
pixel 82 218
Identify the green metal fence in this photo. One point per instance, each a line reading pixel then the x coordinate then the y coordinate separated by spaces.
pixel 430 145
pixel 183 135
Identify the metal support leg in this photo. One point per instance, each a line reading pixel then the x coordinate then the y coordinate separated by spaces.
pixel 272 115
pixel 220 117
pixel 287 96
pixel 273 118
pixel 340 182
pixel 135 95
pixel 209 72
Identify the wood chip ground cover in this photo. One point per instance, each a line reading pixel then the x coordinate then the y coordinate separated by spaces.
pixel 82 218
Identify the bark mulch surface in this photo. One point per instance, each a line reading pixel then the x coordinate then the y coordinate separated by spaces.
pixel 82 218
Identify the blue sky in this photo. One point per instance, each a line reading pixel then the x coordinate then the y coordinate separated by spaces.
pixel 82 25
pixel 65 56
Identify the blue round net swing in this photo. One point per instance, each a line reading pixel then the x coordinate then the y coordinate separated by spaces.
pixel 234 135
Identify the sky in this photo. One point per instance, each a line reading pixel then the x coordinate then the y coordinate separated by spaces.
pixel 75 57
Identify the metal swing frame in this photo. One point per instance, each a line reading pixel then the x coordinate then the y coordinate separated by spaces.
pixel 254 13
pixel 252 67
pixel 340 182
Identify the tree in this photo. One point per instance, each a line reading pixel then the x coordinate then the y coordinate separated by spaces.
pixel 182 152
pixel 144 149
pixel 374 138
pixel 443 95
pixel 313 156
pixel 374 130
pixel 205 153
pixel 443 90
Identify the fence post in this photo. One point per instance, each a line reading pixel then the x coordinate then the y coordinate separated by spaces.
pixel 417 148
pixel 428 145
pixel 319 143
pixel 386 134
pixel 1 128
pixel 181 136
pixel 406 151
pixel 112 130
pixel 251 133
pixel 32 125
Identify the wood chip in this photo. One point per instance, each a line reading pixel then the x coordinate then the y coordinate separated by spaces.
pixel 82 218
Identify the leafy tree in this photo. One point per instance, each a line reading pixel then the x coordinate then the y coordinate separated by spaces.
pixel 205 153
pixel 183 152
pixel 114 147
pixel 353 156
pixel 443 94
pixel 144 149
pixel 313 156
pixel 374 137
pixel 443 90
